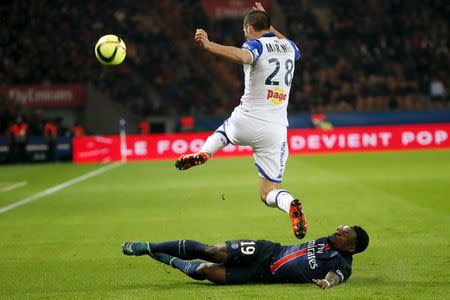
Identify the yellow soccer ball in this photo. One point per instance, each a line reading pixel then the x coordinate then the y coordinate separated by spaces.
pixel 110 50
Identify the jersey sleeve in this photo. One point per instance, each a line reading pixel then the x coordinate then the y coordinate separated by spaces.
pixel 255 48
pixel 297 51
pixel 343 270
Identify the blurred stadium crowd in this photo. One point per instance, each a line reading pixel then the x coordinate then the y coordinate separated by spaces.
pixel 359 55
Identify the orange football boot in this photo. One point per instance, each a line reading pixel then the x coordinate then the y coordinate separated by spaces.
pixel 298 219
pixel 188 161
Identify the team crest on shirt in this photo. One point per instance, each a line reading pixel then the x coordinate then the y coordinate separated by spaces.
pixel 277 95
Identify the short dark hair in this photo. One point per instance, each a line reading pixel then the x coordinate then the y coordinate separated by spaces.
pixel 259 20
pixel 362 239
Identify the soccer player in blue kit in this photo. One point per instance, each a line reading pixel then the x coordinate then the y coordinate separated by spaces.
pixel 260 120
pixel 325 262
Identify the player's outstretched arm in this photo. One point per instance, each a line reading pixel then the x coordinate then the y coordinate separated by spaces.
pixel 278 34
pixel 330 280
pixel 230 53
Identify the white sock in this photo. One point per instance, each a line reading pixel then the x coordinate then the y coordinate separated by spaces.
pixel 279 198
pixel 214 143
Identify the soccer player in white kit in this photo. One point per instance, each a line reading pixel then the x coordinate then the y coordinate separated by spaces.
pixel 260 121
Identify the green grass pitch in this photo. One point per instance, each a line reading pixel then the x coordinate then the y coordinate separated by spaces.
pixel 67 244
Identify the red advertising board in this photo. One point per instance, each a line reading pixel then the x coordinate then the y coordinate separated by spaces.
pixel 45 96
pixel 231 8
pixel 170 146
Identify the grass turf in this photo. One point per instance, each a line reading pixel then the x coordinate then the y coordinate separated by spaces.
pixel 67 245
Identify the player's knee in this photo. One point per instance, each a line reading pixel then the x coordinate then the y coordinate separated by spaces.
pixel 218 253
pixel 213 272
pixel 202 269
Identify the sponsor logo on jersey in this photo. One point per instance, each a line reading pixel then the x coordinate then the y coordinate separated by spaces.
pixel 277 95
pixel 312 255
pixel 320 248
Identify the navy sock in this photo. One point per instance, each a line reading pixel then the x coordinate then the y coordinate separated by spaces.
pixel 188 267
pixel 184 249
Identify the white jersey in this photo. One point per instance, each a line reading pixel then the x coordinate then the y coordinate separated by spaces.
pixel 268 78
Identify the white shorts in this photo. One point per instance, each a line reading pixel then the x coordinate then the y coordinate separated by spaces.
pixel 268 140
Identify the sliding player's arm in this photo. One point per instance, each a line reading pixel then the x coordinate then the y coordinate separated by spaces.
pixel 259 7
pixel 233 54
pixel 330 280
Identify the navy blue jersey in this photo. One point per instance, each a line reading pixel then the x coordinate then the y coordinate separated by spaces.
pixel 311 260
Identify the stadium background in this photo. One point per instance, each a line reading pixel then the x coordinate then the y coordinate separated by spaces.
pixel 364 63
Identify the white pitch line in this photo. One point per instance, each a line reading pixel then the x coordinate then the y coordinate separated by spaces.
pixel 59 187
pixel 13 186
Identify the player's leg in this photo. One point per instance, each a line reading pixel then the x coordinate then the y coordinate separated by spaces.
pixel 271 153
pixel 235 130
pixel 188 249
pixel 178 254
pixel 195 269
pixel 278 197
pixel 183 249
pixel 214 143
pixel 274 196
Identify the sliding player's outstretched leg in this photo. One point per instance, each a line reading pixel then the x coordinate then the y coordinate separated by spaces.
pixel 184 249
pixel 179 255
pixel 188 161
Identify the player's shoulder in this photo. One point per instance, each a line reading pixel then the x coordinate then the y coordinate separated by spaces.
pixel 255 47
pixel 252 43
